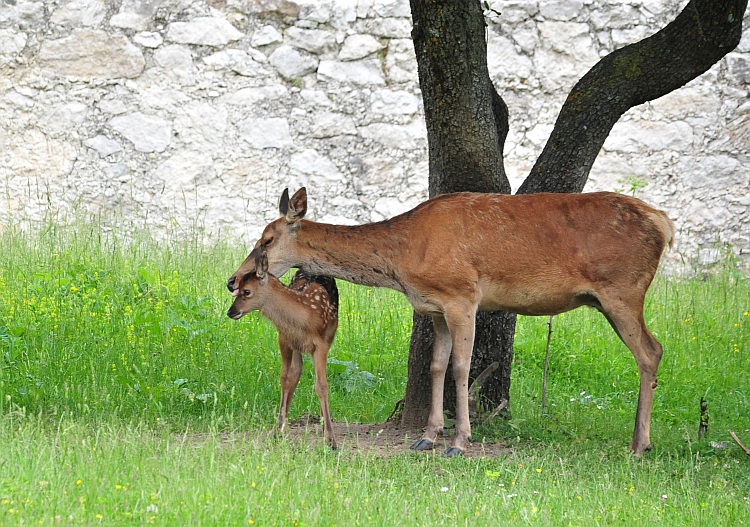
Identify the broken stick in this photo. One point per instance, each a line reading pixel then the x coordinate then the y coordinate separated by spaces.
pixel 737 440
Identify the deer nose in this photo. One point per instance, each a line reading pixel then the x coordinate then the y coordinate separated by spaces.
pixel 230 285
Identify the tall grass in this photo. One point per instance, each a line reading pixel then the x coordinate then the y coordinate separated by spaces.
pixel 96 325
pixel 111 348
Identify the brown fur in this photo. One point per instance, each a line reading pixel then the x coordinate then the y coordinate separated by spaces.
pixel 457 254
pixel 306 317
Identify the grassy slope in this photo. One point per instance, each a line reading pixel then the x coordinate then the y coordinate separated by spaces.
pixel 108 349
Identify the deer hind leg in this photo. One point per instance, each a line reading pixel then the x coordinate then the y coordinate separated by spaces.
pixel 320 356
pixel 441 352
pixel 462 328
pixel 291 370
pixel 627 321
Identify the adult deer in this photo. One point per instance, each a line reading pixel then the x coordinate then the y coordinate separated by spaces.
pixel 456 254
pixel 306 317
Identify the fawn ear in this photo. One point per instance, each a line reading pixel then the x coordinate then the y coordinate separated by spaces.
pixel 297 206
pixel 284 202
pixel 261 267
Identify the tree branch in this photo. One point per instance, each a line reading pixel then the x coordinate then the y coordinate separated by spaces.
pixel 703 33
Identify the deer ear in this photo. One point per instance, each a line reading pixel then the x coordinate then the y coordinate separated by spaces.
pixel 284 202
pixel 297 206
pixel 261 267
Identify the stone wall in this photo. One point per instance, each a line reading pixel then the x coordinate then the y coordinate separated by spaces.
pixel 186 113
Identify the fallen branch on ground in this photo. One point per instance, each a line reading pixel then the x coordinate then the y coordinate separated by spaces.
pixel 737 440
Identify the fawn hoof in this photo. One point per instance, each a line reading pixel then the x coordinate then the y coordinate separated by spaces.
pixel 453 452
pixel 423 444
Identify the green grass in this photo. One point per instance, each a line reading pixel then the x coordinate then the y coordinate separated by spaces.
pixel 113 347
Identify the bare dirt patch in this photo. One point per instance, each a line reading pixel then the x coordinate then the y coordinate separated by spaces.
pixel 380 439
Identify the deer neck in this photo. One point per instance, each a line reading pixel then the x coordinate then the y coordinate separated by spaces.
pixel 361 254
pixel 282 307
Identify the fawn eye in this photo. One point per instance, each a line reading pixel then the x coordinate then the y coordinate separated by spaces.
pixel 247 293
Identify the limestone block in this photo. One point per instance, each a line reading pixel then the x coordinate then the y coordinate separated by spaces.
pixel 360 73
pixel 264 8
pixel 203 31
pixel 271 132
pixel 127 20
pixel 738 67
pixel 291 63
pixel 311 163
pixel 316 98
pixel 176 61
pixel 386 27
pixel 622 16
pixel 331 124
pixel 358 46
pixel 64 117
pixel 526 37
pixel 318 11
pixel 394 102
pixel 569 38
pixel 12 43
pixel 184 171
pixel 148 40
pixel 266 35
pixel 391 8
pixel 77 13
pixel 103 145
pixel 148 133
pixel 315 41
pixel 396 136
pixel 561 9
pixel 91 54
pixel 235 60
pixel 504 60
pixel 715 171
pixel 23 13
pixel 202 126
pixel 33 154
pixel 513 12
pixel 633 137
pixel 400 62
pixel 343 15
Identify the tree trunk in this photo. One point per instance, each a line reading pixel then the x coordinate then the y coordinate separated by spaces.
pixel 467 122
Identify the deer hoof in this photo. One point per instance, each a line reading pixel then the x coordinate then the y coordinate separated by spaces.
pixel 423 444
pixel 453 451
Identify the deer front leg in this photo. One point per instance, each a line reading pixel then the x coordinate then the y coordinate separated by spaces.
pixel 441 352
pixel 320 356
pixel 291 370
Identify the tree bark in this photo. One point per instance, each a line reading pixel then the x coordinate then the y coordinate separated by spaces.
pixel 467 123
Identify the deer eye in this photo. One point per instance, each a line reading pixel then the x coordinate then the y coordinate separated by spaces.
pixel 268 241
pixel 247 293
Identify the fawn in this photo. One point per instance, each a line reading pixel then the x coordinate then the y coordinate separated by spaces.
pixel 306 316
